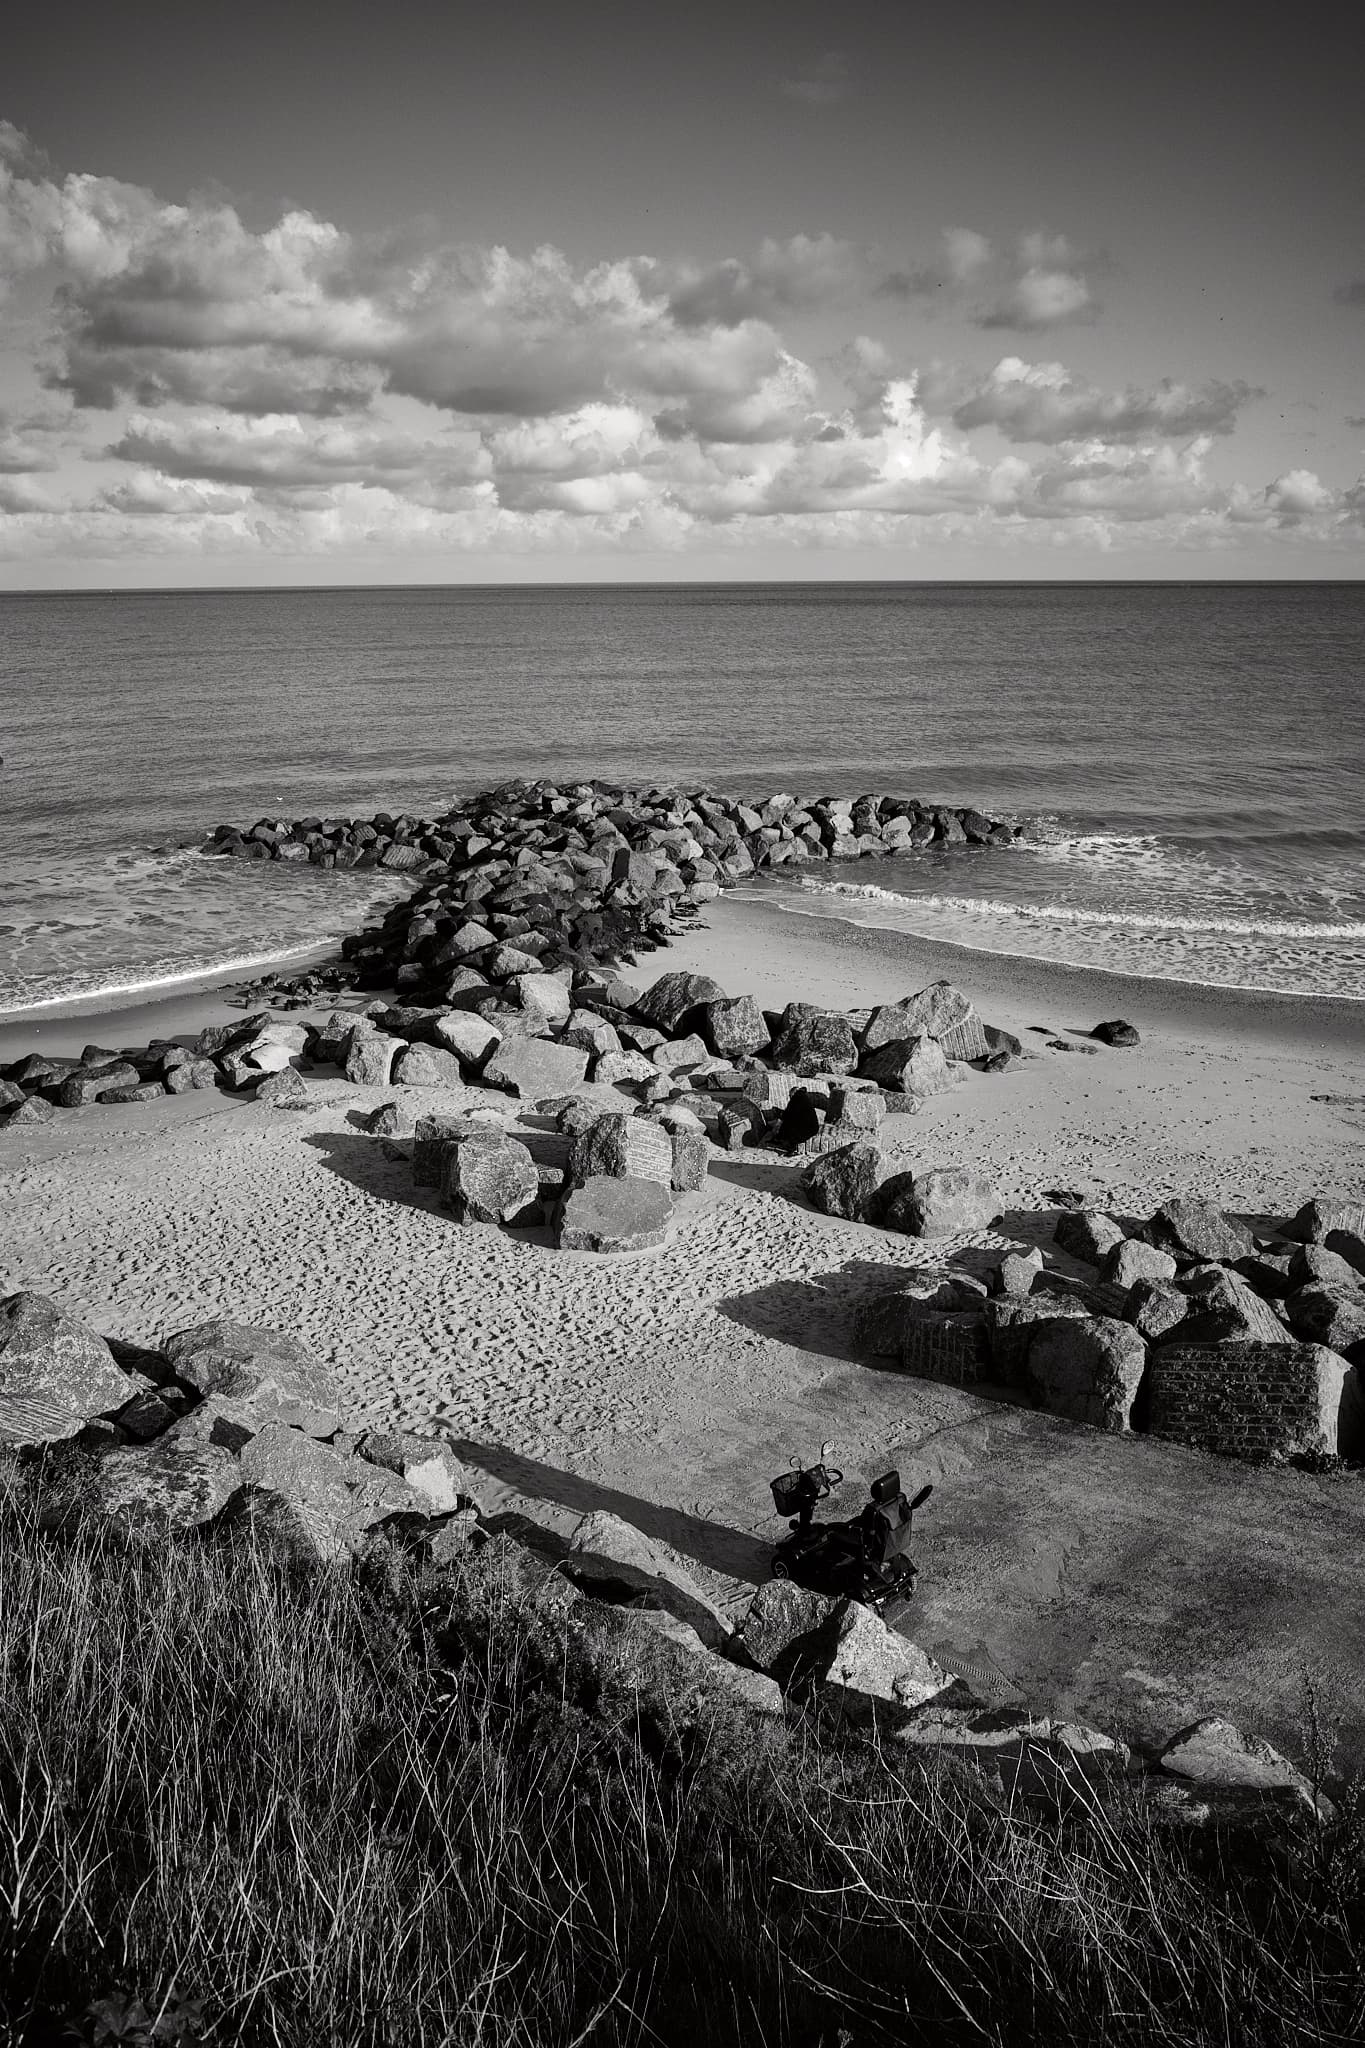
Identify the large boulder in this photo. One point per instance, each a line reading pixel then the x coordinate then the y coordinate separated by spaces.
pixel 1214 1752
pixel 614 1560
pixel 1317 1220
pixel 1087 1234
pixel 1225 1309
pixel 427 1066
pixel 487 1177
pixel 272 1371
pixel 950 1201
pixel 732 1026
pixel 1088 1369
pixel 543 992
pixel 55 1374
pixel 1329 1315
pixel 370 1058
pixel 614 1215
pixel 1132 1260
pixel 873 1660
pixel 1196 1230
pixel 285 1089
pixel 809 1040
pixel 843 1183
pixel 432 1138
pixel 326 1502
pixel 179 1482
pixel 790 1632
pixel 1278 1400
pixel 672 996
pixel 426 1465
pixel 909 1066
pixel 619 1146
pixel 934 1013
pixel 536 1067
pixel 470 1037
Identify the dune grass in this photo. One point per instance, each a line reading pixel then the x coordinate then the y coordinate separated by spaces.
pixel 241 1801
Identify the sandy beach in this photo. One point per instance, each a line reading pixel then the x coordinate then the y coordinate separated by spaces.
pixel 1122 1579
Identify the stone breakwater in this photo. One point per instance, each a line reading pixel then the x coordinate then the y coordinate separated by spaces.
pixel 226 1423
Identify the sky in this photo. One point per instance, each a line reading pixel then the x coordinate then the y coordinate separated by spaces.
pixel 346 293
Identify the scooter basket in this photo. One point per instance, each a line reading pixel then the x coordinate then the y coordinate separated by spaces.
pixel 791 1492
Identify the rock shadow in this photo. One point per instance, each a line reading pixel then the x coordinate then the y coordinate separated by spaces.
pixel 713 1544
pixel 796 1312
pixel 780 1177
pixel 364 1163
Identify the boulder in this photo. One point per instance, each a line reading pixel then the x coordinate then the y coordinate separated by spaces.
pixel 634 1068
pixel 1132 1260
pixel 1195 1229
pixel 487 1177
pixel 390 1120
pixel 1317 1265
pixel 427 1066
pixel 1087 1234
pixel 881 1321
pixel 1215 1752
pixel 843 1183
pixel 431 1137
pixel 532 1067
pixel 619 1146
pixel 809 1040
pixel 471 1038
pixel 543 992
pixel 1317 1220
pixel 84 1087
pixel 1329 1315
pixel 934 1012
pixel 426 1465
pixel 286 1089
pixel 1225 1308
pixel 1116 1032
pixel 1088 1370
pixel 175 1483
pixel 691 1157
pixel 680 1055
pixel 1016 1273
pixel 950 1201
pixel 272 1371
pixel 593 1033
pixel 1155 1309
pixel 910 1066
pixel 732 1026
pixel 614 1215
pixel 33 1110
pixel 55 1374
pixel 672 996
pixel 370 1058
pixel 1278 1400
pixel 676 1679
pixel 614 1560
pixel 329 1501
pixel 872 1659
pixel 954 1349
pixel 191 1074
pixel 1350 1246
pixel 790 1632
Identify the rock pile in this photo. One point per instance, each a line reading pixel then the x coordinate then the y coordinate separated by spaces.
pixel 1191 1328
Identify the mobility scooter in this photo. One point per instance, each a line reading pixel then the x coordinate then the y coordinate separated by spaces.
pixel 866 1557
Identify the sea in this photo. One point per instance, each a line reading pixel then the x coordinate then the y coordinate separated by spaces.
pixel 1187 762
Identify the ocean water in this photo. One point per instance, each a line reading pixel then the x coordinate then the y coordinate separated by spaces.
pixel 1188 761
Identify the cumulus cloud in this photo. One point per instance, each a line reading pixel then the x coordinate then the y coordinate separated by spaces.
pixel 806 270
pixel 823 82
pixel 1050 403
pixel 1041 282
pixel 299 389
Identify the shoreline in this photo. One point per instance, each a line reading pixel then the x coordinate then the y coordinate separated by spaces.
pixel 746 927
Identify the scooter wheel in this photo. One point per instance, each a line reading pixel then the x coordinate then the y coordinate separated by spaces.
pixel 780 1568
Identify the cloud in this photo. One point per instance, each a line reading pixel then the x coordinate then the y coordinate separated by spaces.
pixel 1297 495
pixel 1050 403
pixel 1042 282
pixel 805 271
pixel 281 449
pixel 823 83
pixel 1351 293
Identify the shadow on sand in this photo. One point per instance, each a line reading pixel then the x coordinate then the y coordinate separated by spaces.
pixel 713 1544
